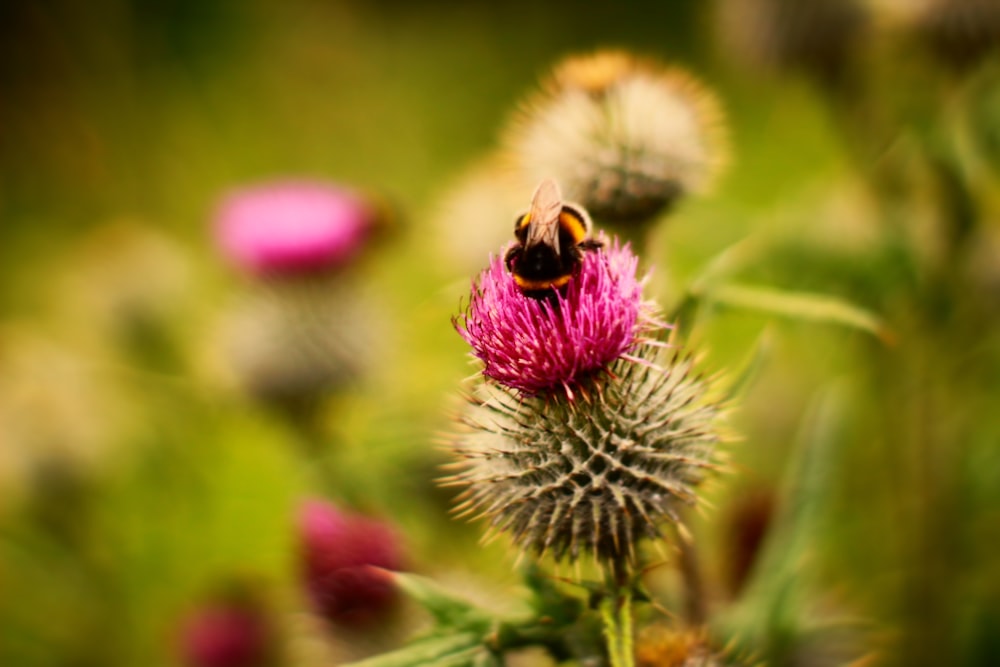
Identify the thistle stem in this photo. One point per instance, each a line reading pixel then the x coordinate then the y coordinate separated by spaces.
pixel 616 612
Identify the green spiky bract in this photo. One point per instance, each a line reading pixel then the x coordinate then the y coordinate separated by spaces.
pixel 595 474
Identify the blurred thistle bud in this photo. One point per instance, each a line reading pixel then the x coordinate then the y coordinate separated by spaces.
pixel 626 137
pixel 960 33
pixel 304 326
pixel 342 557
pixel 62 422
pixel 233 630
pixel 485 193
pixel 586 433
pixel 127 281
pixel 815 37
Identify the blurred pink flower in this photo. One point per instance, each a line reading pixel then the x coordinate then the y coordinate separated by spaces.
pixel 292 226
pixel 225 634
pixel 341 557
pixel 535 345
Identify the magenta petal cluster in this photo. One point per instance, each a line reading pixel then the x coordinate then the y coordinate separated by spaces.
pixel 342 554
pixel 292 226
pixel 536 345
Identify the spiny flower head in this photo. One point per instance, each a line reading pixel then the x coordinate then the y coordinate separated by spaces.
pixel 341 556
pixel 293 226
pixel 297 340
pixel 576 478
pixel 625 136
pixel 534 345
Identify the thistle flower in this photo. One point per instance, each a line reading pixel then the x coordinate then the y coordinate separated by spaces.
pixel 588 477
pixel 625 137
pixel 535 345
pixel 302 326
pixel 341 555
pixel 587 432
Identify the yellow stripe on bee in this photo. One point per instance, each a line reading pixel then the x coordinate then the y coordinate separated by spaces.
pixel 523 221
pixel 574 225
pixel 526 284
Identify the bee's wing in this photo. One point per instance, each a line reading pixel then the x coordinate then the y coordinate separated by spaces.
pixel 543 226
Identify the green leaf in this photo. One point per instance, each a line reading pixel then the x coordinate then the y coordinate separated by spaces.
pixel 461 637
pixel 448 610
pixel 777 610
pixel 806 306
pixel 457 650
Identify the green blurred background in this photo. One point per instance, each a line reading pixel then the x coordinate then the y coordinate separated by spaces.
pixel 134 478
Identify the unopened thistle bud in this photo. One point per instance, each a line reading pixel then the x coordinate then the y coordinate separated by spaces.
pixel 815 37
pixel 961 33
pixel 342 556
pixel 625 137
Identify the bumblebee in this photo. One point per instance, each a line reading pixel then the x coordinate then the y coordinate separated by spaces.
pixel 551 239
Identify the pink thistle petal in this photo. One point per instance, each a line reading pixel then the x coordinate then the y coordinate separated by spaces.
pixel 292 226
pixel 535 345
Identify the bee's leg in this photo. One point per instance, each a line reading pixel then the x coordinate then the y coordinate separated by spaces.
pixel 590 244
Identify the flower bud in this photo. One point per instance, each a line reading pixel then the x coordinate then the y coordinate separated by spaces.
pixel 341 556
pixel 624 137
pixel 960 33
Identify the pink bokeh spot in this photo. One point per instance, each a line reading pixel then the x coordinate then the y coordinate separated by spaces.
pixel 292 226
